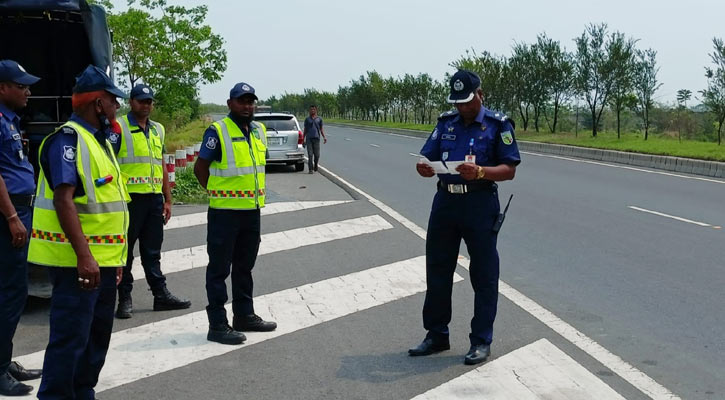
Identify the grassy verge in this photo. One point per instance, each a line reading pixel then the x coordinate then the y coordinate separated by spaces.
pixel 187 189
pixel 187 135
pixel 631 142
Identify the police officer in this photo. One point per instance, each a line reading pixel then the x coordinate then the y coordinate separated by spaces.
pixel 465 206
pixel 231 168
pixel 17 186
pixel 139 150
pixel 79 231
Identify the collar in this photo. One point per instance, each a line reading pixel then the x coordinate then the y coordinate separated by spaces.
pixel 8 113
pixel 479 118
pixel 134 122
pixel 77 119
pixel 239 123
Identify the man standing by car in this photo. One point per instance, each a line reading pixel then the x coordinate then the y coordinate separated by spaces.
pixel 231 168
pixel 139 149
pixel 17 186
pixel 311 139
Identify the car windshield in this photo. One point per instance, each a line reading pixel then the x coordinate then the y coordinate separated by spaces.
pixel 278 123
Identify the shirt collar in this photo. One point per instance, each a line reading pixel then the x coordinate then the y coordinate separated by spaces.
pixel 8 113
pixel 134 122
pixel 238 122
pixel 99 134
pixel 479 118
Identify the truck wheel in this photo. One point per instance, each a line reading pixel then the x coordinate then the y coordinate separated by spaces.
pixel 299 167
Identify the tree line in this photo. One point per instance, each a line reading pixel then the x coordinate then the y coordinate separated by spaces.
pixel 541 85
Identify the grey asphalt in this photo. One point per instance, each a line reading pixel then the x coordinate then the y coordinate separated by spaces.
pixel 645 287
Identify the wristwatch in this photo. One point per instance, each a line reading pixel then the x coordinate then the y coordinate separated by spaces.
pixel 480 172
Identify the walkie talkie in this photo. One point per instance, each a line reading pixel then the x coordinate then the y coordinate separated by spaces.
pixel 501 216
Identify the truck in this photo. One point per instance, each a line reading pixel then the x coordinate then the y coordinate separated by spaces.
pixel 54 40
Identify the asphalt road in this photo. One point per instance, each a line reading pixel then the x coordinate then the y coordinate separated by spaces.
pixel 344 277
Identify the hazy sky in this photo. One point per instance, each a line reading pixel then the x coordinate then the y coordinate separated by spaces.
pixel 286 46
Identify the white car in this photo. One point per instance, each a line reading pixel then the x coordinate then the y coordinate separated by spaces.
pixel 284 139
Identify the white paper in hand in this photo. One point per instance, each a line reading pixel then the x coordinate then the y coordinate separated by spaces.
pixel 438 166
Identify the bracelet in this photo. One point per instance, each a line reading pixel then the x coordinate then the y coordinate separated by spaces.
pixel 11 217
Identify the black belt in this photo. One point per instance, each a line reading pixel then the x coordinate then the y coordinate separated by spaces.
pixel 22 200
pixel 461 188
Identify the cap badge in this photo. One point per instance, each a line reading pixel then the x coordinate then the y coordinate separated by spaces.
pixel 20 67
pixel 145 90
pixel 245 87
pixel 458 85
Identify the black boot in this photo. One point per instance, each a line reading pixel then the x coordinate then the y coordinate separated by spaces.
pixel 9 386
pixel 22 374
pixel 253 322
pixel 224 334
pixel 164 301
pixel 125 306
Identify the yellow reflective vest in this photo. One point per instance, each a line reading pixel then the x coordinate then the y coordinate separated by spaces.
pixel 141 158
pixel 102 210
pixel 237 182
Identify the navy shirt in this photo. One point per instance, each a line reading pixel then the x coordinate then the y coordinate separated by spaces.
pixel 16 170
pixel 58 157
pixel 210 148
pixel 312 127
pixel 493 141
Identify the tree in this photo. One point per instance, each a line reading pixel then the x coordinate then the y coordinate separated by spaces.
pixel 645 85
pixel 683 95
pixel 596 65
pixel 621 51
pixel 173 53
pixel 557 72
pixel 714 96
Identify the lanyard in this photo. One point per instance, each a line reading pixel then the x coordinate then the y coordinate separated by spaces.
pixel 470 147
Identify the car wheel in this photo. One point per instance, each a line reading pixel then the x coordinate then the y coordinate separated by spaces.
pixel 299 167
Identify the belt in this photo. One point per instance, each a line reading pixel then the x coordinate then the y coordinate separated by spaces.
pixel 22 200
pixel 461 188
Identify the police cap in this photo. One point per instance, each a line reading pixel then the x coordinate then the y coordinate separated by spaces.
pixel 240 89
pixel 463 86
pixel 11 71
pixel 93 79
pixel 142 92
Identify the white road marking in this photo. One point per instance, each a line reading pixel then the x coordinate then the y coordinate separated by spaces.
pixel 374 145
pixel 393 134
pixel 195 257
pixel 161 346
pixel 625 167
pixel 689 221
pixel 537 371
pixel 186 220
pixel 627 371
pixel 348 139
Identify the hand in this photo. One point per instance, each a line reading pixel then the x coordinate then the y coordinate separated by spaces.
pixel 424 170
pixel 89 275
pixel 18 233
pixel 119 275
pixel 167 212
pixel 468 171
pixel 304 144
pixel 324 141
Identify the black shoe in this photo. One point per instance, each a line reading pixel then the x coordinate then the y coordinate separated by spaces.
pixel 315 168
pixel 429 346
pixel 125 307
pixel 224 334
pixel 9 386
pixel 310 172
pixel 253 322
pixel 477 354
pixel 20 373
pixel 165 301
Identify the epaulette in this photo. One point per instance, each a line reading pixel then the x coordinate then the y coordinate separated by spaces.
pixel 68 130
pixel 501 117
pixel 447 114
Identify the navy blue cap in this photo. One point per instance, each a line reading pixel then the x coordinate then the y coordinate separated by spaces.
pixel 92 79
pixel 463 86
pixel 240 89
pixel 142 92
pixel 11 71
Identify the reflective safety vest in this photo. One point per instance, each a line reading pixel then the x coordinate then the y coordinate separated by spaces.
pixel 102 210
pixel 141 159
pixel 237 182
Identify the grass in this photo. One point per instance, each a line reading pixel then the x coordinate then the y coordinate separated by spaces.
pixel 187 135
pixel 631 142
pixel 187 189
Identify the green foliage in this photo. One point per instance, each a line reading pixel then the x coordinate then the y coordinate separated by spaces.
pixel 645 85
pixel 174 53
pixel 714 95
pixel 187 189
pixel 186 135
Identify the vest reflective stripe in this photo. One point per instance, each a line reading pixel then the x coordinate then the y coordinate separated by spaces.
pixel 141 158
pixel 102 210
pixel 237 182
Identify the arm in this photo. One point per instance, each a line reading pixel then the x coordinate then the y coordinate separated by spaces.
pixel 322 132
pixel 166 188
pixel 501 172
pixel 201 171
pixel 68 217
pixel 18 231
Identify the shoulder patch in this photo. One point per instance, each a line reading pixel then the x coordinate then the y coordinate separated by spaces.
pixel 69 153
pixel 211 143
pixel 507 138
pixel 113 137
pixel 448 114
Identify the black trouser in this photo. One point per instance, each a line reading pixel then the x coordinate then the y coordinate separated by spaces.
pixel 469 217
pixel 146 214
pixel 233 238
pixel 313 153
pixel 13 284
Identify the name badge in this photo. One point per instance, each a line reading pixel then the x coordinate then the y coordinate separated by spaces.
pixel 471 158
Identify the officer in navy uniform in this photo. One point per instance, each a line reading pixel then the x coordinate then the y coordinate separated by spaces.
pixel 17 188
pixel 465 207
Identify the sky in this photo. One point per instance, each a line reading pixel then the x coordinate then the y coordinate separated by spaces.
pixel 286 46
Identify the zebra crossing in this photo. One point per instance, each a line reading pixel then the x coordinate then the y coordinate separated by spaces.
pixel 170 343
